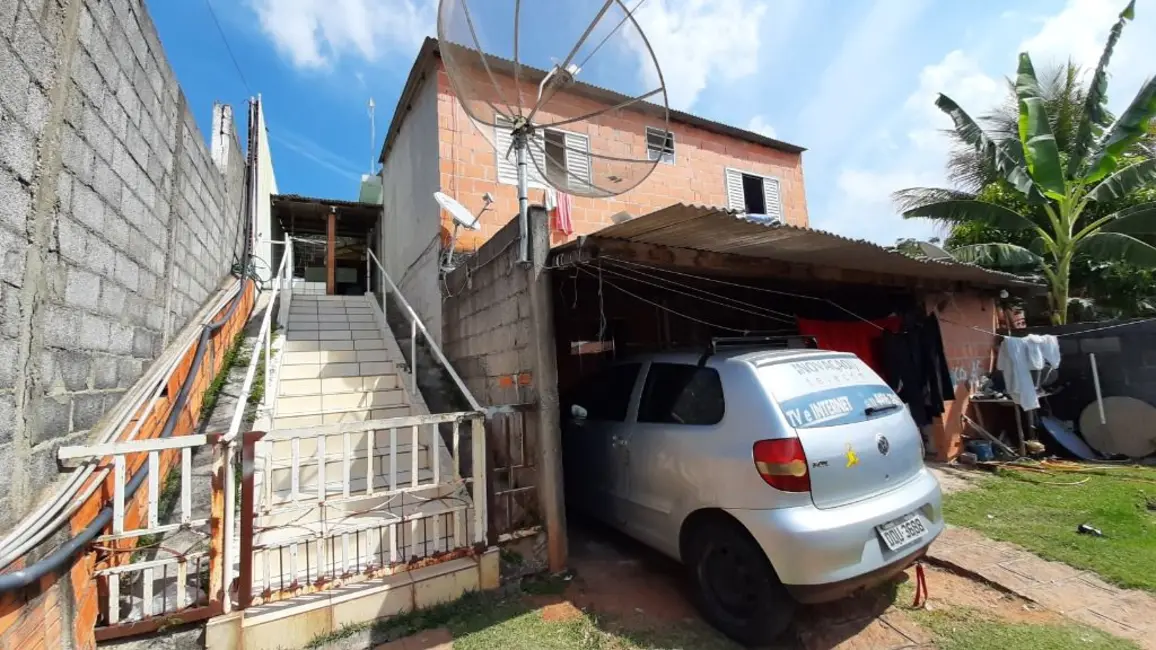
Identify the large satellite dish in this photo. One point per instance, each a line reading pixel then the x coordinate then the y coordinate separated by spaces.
pixel 565 92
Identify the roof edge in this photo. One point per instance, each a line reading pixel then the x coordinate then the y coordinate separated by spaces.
pixel 429 51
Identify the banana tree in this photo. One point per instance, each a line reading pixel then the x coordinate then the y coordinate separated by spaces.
pixel 1097 169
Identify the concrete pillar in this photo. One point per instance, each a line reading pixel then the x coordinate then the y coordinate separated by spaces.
pixel 551 495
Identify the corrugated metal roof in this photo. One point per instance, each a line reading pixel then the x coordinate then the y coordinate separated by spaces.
pixel 720 230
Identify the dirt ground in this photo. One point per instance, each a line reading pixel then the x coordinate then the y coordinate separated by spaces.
pixel 618 578
pixel 954 479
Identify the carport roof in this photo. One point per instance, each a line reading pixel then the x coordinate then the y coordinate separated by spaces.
pixel 719 230
pixel 308 215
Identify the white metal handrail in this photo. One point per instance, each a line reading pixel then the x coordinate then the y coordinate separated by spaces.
pixel 264 340
pixel 416 325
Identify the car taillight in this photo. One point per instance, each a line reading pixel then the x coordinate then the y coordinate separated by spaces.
pixel 783 465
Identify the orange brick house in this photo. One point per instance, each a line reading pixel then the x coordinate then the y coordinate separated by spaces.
pixel 432 145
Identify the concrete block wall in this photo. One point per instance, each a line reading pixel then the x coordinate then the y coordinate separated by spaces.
pixel 487 337
pixel 115 223
pixel 487 328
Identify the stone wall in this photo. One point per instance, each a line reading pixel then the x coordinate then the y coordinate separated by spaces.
pixel 115 222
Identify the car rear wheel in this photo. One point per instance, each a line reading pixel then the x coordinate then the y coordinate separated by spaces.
pixel 735 586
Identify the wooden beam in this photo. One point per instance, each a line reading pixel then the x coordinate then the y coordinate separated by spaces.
pixel 331 254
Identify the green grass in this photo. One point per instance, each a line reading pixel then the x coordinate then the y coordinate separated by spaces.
pixel 962 628
pixel 1030 509
pixel 497 621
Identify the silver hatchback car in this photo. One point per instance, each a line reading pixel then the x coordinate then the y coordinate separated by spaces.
pixel 777 476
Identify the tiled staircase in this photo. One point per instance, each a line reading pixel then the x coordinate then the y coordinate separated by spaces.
pixel 337 365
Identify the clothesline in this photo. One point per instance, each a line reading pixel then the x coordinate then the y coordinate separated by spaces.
pixel 1087 331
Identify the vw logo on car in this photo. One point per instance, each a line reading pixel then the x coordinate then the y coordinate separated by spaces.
pixel 882 443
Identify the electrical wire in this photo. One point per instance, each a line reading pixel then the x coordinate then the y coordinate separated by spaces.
pixel 747 286
pixel 1061 335
pixel 747 307
pixel 228 48
pixel 668 309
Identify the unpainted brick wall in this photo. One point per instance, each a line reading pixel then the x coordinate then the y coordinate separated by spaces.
pixel 468 164
pixel 115 223
pixel 965 320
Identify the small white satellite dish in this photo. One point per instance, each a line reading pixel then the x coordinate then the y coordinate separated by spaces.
pixel 621 217
pixel 933 252
pixel 463 218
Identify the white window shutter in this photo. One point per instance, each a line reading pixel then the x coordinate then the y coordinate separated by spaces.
pixel 507 166
pixel 735 200
pixel 578 161
pixel 507 158
pixel 537 161
pixel 773 198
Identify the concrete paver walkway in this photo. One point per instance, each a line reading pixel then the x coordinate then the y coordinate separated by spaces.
pixel 1079 595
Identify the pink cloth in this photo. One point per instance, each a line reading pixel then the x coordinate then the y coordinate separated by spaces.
pixel 562 222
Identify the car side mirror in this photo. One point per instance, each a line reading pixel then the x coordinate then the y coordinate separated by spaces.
pixel 578 413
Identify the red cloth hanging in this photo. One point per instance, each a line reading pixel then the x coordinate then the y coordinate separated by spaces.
pixel 857 337
pixel 562 220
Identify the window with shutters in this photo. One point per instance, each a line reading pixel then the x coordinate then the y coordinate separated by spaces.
pixel 565 156
pixel 660 145
pixel 754 195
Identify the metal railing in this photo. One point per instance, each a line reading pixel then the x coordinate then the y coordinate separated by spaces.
pixel 282 287
pixel 331 505
pixel 416 325
pixel 137 589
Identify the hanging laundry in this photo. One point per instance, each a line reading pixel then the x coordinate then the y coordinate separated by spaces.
pixel 562 222
pixel 1018 357
pixel 916 368
pixel 857 337
pixel 550 200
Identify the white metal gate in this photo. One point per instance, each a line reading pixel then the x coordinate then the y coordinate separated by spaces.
pixel 143 583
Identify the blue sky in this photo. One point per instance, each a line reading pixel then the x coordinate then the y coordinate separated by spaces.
pixel 853 81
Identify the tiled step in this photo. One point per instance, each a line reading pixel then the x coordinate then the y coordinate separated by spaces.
pixel 314 345
pixel 334 403
pixel 336 385
pixel 354 415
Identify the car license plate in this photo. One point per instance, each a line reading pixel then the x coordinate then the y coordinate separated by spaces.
pixel 900 532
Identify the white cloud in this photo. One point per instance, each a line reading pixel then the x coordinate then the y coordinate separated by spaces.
pixel 760 125
pixel 1079 32
pixel 923 149
pixel 857 75
pixel 316 33
pixel 698 42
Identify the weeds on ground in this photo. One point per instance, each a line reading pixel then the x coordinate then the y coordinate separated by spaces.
pixel 213 392
pixel 1041 512
pixel 964 628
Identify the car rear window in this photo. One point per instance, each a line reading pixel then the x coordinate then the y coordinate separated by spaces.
pixel 677 393
pixel 828 392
